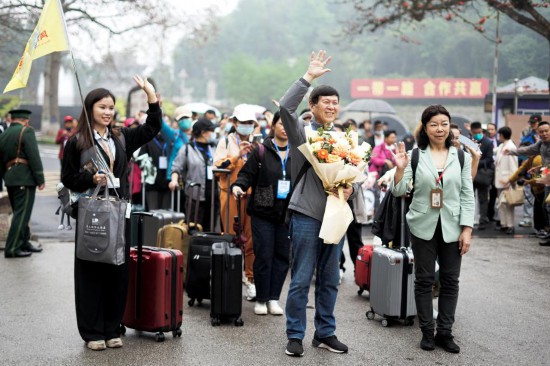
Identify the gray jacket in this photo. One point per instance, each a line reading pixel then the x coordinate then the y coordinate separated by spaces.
pixel 191 167
pixel 308 197
pixel 542 148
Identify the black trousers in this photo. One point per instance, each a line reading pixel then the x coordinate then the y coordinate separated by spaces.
pixel 425 254
pixel 100 296
pixel 483 200
pixel 21 201
pixel 355 240
pixel 492 201
pixel 540 216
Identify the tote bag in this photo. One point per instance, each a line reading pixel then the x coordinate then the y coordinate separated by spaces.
pixel 101 225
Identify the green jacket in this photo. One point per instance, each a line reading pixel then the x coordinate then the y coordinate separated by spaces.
pixel 20 174
pixel 458 196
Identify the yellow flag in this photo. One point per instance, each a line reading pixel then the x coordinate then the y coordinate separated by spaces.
pixel 21 74
pixel 50 35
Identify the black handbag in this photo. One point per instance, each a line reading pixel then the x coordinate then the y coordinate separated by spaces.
pixel 484 177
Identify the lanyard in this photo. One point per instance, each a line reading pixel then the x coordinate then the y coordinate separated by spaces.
pixel 163 147
pixel 440 177
pixel 283 162
pixel 207 151
pixel 245 156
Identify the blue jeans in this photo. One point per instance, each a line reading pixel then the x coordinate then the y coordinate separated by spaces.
pixel 271 262
pixel 309 254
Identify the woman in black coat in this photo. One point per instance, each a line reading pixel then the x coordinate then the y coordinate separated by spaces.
pixel 267 171
pixel 100 289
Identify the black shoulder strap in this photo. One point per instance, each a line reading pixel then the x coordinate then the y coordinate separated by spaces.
pixel 261 153
pixel 461 158
pixel 301 173
pixel 414 162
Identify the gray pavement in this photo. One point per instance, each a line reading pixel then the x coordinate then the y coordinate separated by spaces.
pixel 503 318
pixel 503 315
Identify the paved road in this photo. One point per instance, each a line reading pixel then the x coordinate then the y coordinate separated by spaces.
pixel 503 318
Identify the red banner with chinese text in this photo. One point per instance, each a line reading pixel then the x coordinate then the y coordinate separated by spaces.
pixel 448 88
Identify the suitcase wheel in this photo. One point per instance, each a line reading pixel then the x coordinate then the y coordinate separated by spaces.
pixel 409 322
pixel 238 322
pixel 122 330
pixel 191 302
pixel 177 333
pixel 159 337
pixel 199 302
pixel 215 321
pixel 370 315
pixel 385 322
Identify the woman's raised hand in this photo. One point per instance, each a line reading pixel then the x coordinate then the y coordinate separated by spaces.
pixel 147 87
pixel 317 65
pixel 400 156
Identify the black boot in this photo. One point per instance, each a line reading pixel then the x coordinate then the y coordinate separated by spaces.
pixel 428 342
pixel 446 342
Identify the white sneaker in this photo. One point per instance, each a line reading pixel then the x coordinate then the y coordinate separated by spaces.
pixel 96 345
pixel 260 308
pixel 250 292
pixel 114 343
pixel 274 308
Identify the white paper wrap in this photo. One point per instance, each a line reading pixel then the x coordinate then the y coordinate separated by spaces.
pixel 338 215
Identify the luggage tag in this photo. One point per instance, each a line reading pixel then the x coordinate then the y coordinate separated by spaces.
pixel 209 172
pixel 113 182
pixel 436 198
pixel 283 189
pixel 163 162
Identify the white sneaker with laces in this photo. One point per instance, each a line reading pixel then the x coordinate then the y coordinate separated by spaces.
pixel 274 308
pixel 260 308
pixel 251 292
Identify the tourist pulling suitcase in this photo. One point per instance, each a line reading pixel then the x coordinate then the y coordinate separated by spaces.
pixel 155 288
pixel 226 287
pixel 392 280
pixel 363 268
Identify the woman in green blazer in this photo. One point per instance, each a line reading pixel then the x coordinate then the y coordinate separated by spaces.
pixel 440 218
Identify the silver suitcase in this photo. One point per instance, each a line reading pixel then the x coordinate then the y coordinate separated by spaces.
pixel 392 283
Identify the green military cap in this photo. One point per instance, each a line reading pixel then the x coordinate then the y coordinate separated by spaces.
pixel 20 113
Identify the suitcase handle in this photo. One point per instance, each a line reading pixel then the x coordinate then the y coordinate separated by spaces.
pixel 192 188
pixel 139 243
pixel 227 173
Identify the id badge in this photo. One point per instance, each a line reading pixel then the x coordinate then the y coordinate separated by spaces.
pixel 113 183
pixel 436 198
pixel 209 172
pixel 283 188
pixel 163 162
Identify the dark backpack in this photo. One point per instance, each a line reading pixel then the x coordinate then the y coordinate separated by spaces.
pixel 387 219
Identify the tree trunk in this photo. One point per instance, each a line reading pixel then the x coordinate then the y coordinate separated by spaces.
pixel 50 109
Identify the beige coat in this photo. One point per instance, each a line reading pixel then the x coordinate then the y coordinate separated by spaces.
pixel 505 165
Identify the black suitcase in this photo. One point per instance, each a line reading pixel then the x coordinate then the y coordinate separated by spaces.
pixel 197 280
pixel 226 287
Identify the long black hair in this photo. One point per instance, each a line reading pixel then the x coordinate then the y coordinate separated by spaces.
pixel 84 139
pixel 423 140
pixel 276 119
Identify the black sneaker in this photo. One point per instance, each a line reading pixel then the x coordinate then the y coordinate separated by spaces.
pixel 428 342
pixel 446 342
pixel 330 343
pixel 294 347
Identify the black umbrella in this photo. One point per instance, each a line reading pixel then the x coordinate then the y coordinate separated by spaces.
pixel 370 106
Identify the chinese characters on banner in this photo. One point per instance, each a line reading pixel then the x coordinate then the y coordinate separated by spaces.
pixel 420 88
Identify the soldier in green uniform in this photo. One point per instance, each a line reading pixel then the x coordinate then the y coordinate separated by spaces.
pixel 21 169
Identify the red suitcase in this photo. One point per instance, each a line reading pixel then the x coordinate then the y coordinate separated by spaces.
pixel 363 268
pixel 155 290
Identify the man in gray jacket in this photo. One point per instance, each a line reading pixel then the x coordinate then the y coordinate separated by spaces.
pixel 306 208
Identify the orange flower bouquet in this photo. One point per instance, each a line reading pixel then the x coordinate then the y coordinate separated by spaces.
pixel 339 161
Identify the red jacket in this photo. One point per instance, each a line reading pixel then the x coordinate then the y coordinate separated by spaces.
pixel 60 139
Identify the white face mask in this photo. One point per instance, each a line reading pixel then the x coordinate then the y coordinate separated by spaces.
pixel 245 130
